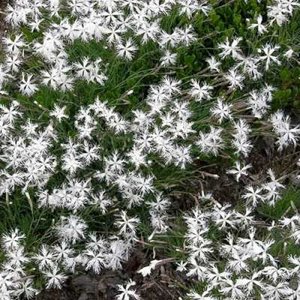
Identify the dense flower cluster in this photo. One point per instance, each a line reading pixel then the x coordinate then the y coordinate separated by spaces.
pixel 166 130
pixel 246 268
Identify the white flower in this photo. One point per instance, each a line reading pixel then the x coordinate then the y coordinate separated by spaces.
pixel 200 91
pixel 95 260
pixel 188 7
pixel 268 55
pixel 15 45
pixel 45 258
pixel 148 31
pixel 186 35
pixel 286 133
pixel 12 240
pixel 148 269
pixel 279 291
pixel 234 79
pixel 137 157
pixel 230 49
pixel 232 289
pixel 126 50
pixel 211 142
pixel 17 257
pixel 181 266
pixel 63 251
pixel 239 170
pixel 58 112
pixel 126 292
pixel 278 13
pixel 27 87
pixel 197 269
pixel 213 64
pixel 204 296
pixel 26 289
pixel 221 110
pixel 260 27
pixel 55 278
pixel 168 59
pixel 289 53
pixel 71 229
pixel 127 226
pixel 13 63
pixel 253 195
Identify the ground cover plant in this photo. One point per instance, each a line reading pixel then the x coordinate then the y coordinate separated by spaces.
pixel 168 128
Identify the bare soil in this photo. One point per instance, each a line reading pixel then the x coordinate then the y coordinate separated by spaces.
pixel 3 24
pixel 163 283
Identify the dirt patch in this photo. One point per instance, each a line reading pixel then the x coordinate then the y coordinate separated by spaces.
pixel 264 156
pixel 163 283
pixel 3 24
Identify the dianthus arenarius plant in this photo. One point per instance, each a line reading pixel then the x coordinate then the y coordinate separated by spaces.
pixel 100 96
